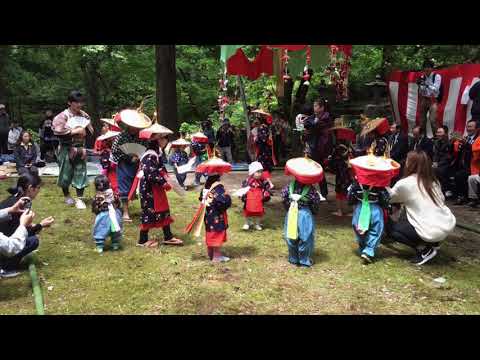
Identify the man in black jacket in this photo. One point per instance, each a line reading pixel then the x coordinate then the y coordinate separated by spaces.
pixel 442 158
pixel 398 144
pixel 225 138
pixel 421 142
pixel 474 95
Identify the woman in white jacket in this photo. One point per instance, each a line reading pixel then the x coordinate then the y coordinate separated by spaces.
pixel 14 245
pixel 429 220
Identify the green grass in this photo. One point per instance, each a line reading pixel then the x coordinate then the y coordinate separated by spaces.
pixel 258 280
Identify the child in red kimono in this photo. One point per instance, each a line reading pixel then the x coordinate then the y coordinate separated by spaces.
pixel 103 146
pixel 153 197
pixel 258 193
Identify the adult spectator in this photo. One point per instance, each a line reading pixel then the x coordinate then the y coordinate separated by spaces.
pixel 421 142
pixel 466 163
pixel 279 129
pixel 225 138
pixel 474 190
pixel 26 153
pixel 474 95
pixel 15 247
pixel 398 144
pixel 317 137
pixel 430 86
pixel 48 141
pixel 442 159
pixel 13 136
pixel 207 129
pixel 72 155
pixel 28 185
pixel 4 129
pixel 429 220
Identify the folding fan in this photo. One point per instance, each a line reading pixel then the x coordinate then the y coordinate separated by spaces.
pixel 78 121
pixel 133 148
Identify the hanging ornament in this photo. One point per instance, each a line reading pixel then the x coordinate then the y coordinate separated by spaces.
pixel 306 76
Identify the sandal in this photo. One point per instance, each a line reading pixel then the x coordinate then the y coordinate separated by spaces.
pixel 173 241
pixel 151 244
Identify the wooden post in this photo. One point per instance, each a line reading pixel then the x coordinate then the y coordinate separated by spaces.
pixel 245 111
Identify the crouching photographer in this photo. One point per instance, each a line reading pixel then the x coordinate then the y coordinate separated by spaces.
pixel 17 232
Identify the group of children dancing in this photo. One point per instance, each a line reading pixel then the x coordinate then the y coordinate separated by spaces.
pixel 300 198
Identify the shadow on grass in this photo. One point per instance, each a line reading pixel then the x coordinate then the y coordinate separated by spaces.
pixel 320 256
pixel 233 252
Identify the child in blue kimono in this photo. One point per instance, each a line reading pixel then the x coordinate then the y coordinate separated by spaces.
pixel 299 229
pixel 200 151
pixel 179 158
pixel 368 217
pixel 108 222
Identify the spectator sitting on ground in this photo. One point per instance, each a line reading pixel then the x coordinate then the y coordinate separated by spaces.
pixel 421 142
pixel 15 247
pixel 48 141
pixel 466 162
pixel 26 153
pixel 442 158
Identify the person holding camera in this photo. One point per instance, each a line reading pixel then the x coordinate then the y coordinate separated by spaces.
pixel 430 93
pixel 16 246
pixel 17 214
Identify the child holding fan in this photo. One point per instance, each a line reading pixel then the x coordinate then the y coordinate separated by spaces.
pixel 301 201
pixel 153 186
pixel 213 209
pixel 257 193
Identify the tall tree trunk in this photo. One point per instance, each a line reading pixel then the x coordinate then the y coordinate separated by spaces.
pixel 166 86
pixel 387 60
pixel 90 74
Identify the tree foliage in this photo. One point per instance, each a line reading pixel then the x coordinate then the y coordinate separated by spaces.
pixel 34 78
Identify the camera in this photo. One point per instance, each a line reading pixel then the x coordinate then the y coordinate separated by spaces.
pixel 421 80
pixel 27 204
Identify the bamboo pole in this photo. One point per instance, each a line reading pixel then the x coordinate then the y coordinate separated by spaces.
pixel 37 290
pixel 245 112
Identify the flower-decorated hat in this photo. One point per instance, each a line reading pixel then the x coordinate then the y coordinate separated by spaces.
pixel 133 118
pixel 200 138
pixel 342 131
pixel 214 166
pixel 380 125
pixel 373 170
pixel 180 142
pixel 305 170
pixel 108 135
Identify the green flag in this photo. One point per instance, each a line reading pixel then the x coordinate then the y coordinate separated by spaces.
pixel 227 51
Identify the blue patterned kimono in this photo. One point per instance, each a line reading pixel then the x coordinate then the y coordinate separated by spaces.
pixel 179 158
pixel 300 250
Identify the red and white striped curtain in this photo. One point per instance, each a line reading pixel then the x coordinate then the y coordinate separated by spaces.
pixel 403 92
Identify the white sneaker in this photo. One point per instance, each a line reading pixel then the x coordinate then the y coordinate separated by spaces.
pixel 246 227
pixel 69 201
pixel 79 204
pixel 258 227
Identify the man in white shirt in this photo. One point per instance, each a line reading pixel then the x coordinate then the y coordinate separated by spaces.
pixel 13 136
pixel 429 86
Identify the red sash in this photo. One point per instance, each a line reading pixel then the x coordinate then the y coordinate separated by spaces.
pixel 160 200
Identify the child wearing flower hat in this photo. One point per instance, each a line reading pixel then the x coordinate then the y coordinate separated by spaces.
pixel 257 194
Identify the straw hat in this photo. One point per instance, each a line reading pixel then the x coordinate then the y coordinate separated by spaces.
pixel 133 118
pixel 200 137
pixel 380 125
pixel 305 170
pixel 375 170
pixel 108 135
pixel 180 142
pixel 342 131
pixel 214 166
pixel 113 124
pixel 154 129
